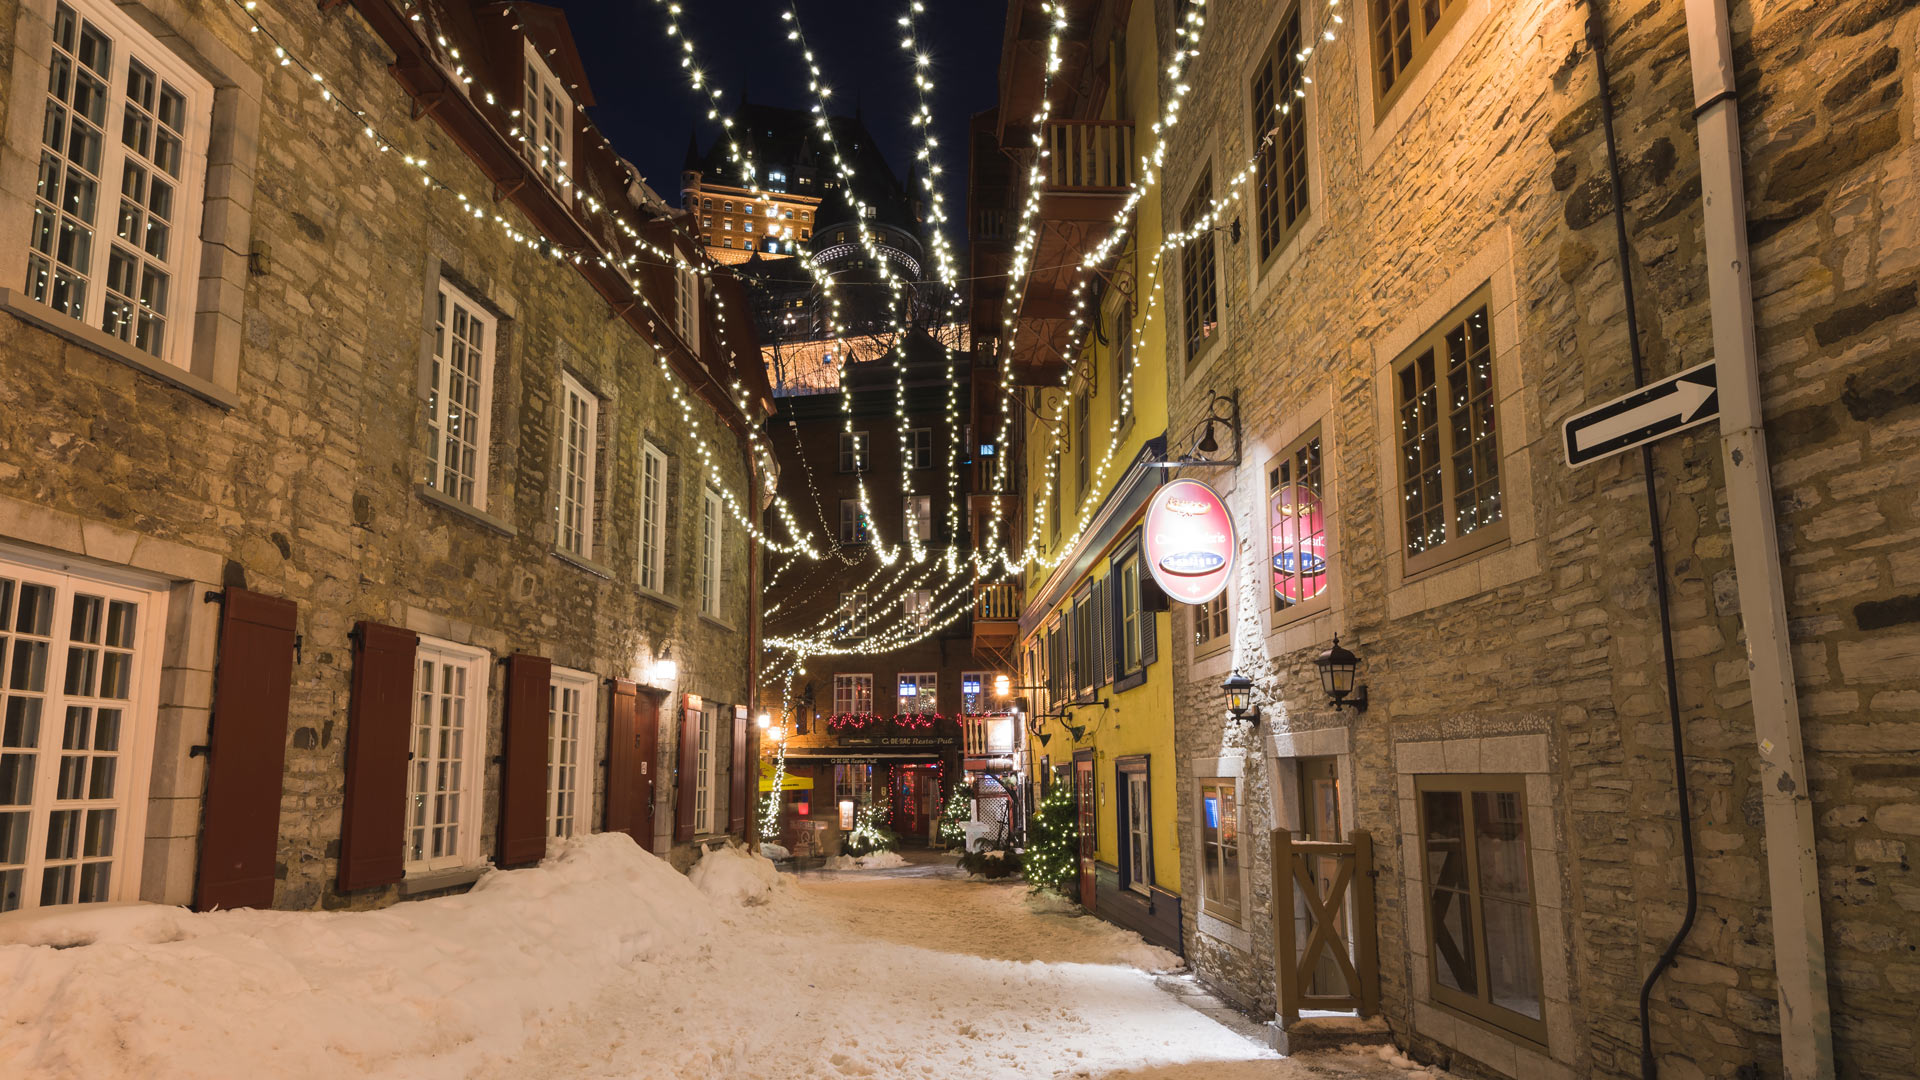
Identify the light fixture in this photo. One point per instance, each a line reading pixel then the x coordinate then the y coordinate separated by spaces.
pixel 1338 668
pixel 765 721
pixel 1239 690
pixel 1002 686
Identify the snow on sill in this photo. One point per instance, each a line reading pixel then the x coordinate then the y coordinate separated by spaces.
pixel 436 880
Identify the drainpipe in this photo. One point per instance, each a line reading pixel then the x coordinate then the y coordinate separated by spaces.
pixel 1799 945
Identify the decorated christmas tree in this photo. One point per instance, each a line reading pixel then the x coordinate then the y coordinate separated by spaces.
pixel 1053 842
pixel 954 816
pixel 870 832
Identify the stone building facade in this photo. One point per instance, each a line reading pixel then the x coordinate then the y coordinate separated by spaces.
pixel 1466 209
pixel 531 539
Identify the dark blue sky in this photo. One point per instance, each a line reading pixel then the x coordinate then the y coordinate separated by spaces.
pixel 647 107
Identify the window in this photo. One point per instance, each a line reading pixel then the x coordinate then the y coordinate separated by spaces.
pixel 866 212
pixel 1136 826
pixel 460 398
pixel 975 686
pixel 806 234
pixel 1210 626
pixel 853 694
pixel 919 692
pixel 1404 34
pixel 1449 454
pixel 1297 526
pixel 1082 439
pixel 1220 848
pixel 805 216
pixel 706 223
pixel 1200 301
pixel 78 668
pixel 653 515
pixel 548 138
pixel 1085 671
pixel 726 225
pixel 916 516
pixel 705 759
pixel 729 206
pixel 853 522
pixel 920 447
pixel 727 242
pixel 123 148
pixel 686 304
pixel 571 714
pixel 917 607
pixel 706 204
pixel 579 423
pixel 748 244
pixel 746 225
pixel 853 783
pixel 1131 618
pixel 1280 131
pixel 853 451
pixel 1481 947
pixel 850 622
pixel 712 566
pixel 1123 369
pixel 449 745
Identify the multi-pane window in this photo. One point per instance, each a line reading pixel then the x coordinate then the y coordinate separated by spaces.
pixel 853 451
pixel 449 730
pixel 919 692
pixel 1210 625
pixel 686 305
pixel 712 567
pixel 853 694
pixel 853 783
pixel 916 516
pixel 1280 134
pixel 1404 34
pixel 974 688
pixel 849 623
pixel 1200 300
pixel 1138 827
pixel 1297 525
pixel 547 131
pixel 1085 670
pixel 917 607
pixel 460 398
pixel 1131 617
pixel 76 679
pixel 920 447
pixel 1220 847
pixel 116 211
pixel 579 423
pixel 853 522
pixel 1480 919
pixel 1449 448
pixel 653 515
pixel 705 753
pixel 570 723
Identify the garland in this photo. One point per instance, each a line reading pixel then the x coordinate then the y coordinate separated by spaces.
pixel 911 721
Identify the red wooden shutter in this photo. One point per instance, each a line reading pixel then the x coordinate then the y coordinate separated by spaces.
pixel 622 749
pixel 523 771
pixel 689 765
pixel 240 829
pixel 737 803
pixel 379 727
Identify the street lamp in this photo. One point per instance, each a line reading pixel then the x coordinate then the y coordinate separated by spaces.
pixel 1338 668
pixel 764 721
pixel 1239 690
pixel 1002 686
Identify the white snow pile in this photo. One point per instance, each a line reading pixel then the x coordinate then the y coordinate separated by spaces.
pixel 775 851
pixel 430 989
pixel 878 860
pixel 736 874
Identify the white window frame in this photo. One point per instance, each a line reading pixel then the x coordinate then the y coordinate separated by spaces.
pixel 852 693
pixel 712 549
pixel 926 697
pixel 705 768
pixel 130 41
pixel 686 305
pixel 855 452
pixel 849 612
pixel 916 516
pixel 653 504
pixel 916 606
pixel 577 436
pixel 920 448
pixel 971 700
pixel 1137 831
pixel 573 715
pixel 434 661
pixel 443 428
pixel 134 750
pixel 851 520
pixel 536 114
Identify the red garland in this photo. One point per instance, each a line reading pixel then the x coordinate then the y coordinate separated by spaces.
pixel 909 721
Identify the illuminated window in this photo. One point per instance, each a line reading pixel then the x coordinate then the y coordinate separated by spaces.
pixel 917 607
pixel 853 522
pixel 919 692
pixel 547 114
pixel 1449 443
pixel 729 206
pixel 686 304
pixel 706 204
pixel 974 689
pixel 1280 122
pixel 1200 300
pixel 747 225
pixel 1220 847
pixel 1297 525
pixel 916 516
pixel 1210 626
pixel 853 694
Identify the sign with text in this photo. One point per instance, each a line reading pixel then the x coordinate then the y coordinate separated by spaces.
pixel 1656 410
pixel 1190 543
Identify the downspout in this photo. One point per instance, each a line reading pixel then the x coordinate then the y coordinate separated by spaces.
pixel 1799 943
pixel 1597 40
pixel 754 555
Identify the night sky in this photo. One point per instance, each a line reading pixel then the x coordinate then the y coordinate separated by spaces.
pixel 647 105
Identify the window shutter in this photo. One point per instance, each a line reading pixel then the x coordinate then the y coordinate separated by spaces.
pixel 622 751
pixel 1149 632
pixel 379 727
pixel 737 801
pixel 689 764
pixel 1116 622
pixel 1102 636
pixel 240 828
pixel 523 770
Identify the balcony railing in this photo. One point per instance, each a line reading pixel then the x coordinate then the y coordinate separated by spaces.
pixel 1089 154
pixel 996 603
pixel 991 736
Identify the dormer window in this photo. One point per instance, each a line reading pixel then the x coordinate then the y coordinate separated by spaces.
pixel 546 121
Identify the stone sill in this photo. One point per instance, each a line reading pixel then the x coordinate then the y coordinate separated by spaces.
pixel 656 596
pixel 435 497
pixel 721 623
pixel 436 880
pixel 588 565
pixel 105 344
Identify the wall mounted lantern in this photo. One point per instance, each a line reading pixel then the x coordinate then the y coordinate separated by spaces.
pixel 1338 668
pixel 1239 690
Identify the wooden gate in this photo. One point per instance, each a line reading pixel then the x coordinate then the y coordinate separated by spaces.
pixel 1350 942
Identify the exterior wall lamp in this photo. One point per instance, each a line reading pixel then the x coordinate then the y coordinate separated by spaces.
pixel 1338 667
pixel 1223 411
pixel 1239 690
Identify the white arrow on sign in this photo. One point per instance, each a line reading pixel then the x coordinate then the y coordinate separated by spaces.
pixel 1686 399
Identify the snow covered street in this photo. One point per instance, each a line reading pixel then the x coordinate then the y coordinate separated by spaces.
pixel 603 963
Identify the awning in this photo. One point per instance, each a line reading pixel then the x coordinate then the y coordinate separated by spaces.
pixel 788 782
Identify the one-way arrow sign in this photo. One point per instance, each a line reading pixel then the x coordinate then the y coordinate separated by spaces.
pixel 1651 412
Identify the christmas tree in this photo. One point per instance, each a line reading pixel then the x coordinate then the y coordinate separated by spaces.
pixel 870 832
pixel 954 816
pixel 1053 842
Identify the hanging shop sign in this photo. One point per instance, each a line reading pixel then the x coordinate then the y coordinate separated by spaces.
pixel 1190 542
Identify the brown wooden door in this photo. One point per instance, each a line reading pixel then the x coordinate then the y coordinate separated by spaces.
pixel 1320 820
pixel 633 744
pixel 646 767
pixel 1083 795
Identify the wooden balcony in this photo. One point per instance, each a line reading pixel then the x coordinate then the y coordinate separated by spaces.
pixel 996 617
pixel 1090 157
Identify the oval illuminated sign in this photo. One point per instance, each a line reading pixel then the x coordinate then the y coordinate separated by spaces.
pixel 1190 543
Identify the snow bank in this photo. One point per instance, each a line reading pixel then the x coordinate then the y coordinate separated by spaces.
pixel 878 860
pixel 437 988
pixel 775 851
pixel 736 875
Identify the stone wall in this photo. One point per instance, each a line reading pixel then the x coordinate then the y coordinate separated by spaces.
pixel 305 484
pixel 1491 170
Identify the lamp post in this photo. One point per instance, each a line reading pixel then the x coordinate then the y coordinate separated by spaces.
pixel 1239 690
pixel 1338 670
